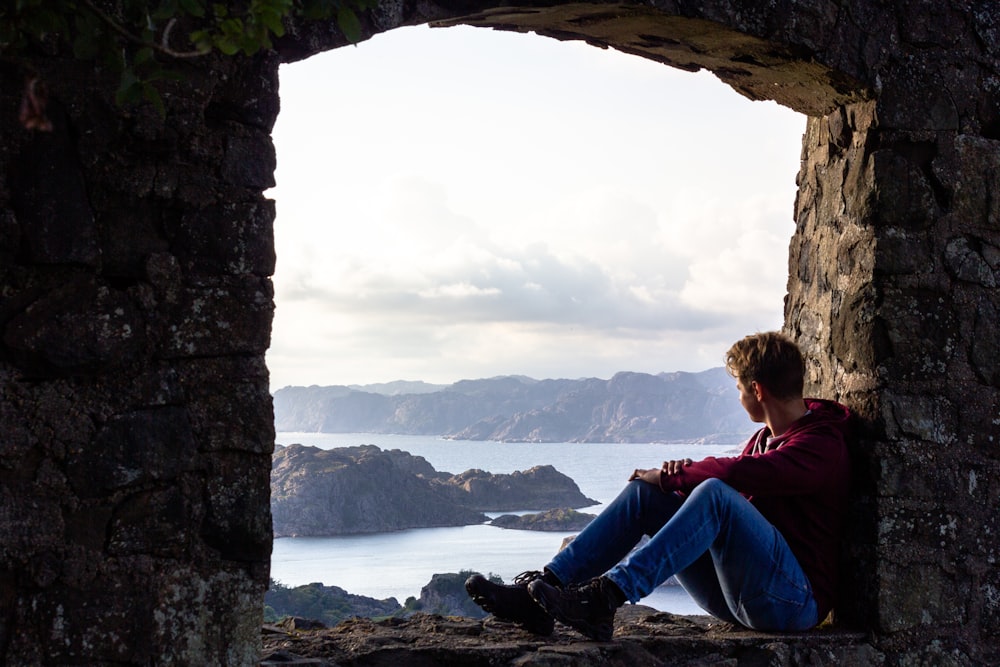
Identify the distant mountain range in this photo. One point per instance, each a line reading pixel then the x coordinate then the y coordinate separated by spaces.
pixel 630 407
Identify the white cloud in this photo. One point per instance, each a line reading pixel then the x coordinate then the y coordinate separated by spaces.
pixel 458 203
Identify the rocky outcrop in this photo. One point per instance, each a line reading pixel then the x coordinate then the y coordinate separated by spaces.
pixel 630 407
pixel 351 490
pixel 557 520
pixel 642 636
pixel 355 490
pixel 445 594
pixel 540 487
pixel 315 605
pixel 326 605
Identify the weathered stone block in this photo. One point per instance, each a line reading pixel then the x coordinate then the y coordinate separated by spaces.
pixel 141 447
pixel 928 418
pixel 919 595
pixel 154 522
pixel 221 318
pixel 236 236
pixel 79 327
pixel 249 159
pixel 905 197
pixel 234 523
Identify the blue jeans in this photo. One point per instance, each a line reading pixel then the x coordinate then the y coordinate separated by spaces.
pixel 729 558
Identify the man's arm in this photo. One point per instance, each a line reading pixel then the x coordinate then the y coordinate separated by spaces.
pixel 801 465
pixel 653 475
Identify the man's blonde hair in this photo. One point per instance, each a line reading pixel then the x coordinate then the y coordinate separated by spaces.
pixel 771 359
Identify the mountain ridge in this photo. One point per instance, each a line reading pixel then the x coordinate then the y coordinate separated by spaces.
pixel 674 406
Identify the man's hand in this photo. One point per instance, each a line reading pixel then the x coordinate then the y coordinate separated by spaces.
pixel 674 467
pixel 650 476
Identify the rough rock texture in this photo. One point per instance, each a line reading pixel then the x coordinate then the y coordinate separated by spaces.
pixel 445 594
pixel 354 490
pixel 351 490
pixel 135 306
pixel 643 636
pixel 135 421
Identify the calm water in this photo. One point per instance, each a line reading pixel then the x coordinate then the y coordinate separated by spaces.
pixel 398 564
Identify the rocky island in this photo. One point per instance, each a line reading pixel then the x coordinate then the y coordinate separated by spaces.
pixel 352 490
pixel 556 520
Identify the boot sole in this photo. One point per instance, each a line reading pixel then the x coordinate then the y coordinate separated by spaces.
pixel 547 598
pixel 535 621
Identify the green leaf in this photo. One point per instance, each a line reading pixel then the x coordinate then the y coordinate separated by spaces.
pixel 130 89
pixel 167 10
pixel 273 21
pixel 143 56
pixel 227 47
pixel 315 10
pixel 193 8
pixel 349 24
pixel 152 95
pixel 201 39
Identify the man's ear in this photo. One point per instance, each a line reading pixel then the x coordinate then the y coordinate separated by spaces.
pixel 758 390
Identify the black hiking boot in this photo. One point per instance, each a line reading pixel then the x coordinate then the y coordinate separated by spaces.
pixel 588 608
pixel 512 602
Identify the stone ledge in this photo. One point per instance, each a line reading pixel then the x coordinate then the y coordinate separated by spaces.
pixel 643 636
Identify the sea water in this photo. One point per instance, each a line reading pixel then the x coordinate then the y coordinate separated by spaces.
pixel 398 564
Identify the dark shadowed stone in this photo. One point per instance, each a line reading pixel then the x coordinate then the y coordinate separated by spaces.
pixel 58 333
pixel 249 158
pixel 965 258
pixel 236 490
pixel 228 317
pixel 642 636
pixel 129 235
pixel 151 522
pixel 50 199
pixel 239 234
pixel 906 198
pixel 985 348
pixel 929 312
pixel 135 449
pixel 901 250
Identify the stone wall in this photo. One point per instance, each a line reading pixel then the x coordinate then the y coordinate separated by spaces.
pixel 135 255
pixel 135 420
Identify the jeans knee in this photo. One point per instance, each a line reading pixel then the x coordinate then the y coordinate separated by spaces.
pixel 640 489
pixel 713 486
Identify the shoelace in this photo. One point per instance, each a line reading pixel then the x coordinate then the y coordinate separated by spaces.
pixel 527 577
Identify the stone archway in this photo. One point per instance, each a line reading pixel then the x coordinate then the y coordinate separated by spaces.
pixel 136 254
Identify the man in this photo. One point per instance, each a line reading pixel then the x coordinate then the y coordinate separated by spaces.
pixel 752 538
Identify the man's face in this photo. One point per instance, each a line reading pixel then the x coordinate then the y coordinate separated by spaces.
pixel 748 399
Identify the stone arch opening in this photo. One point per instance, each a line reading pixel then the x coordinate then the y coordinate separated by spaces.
pixel 136 311
pixel 340 226
pixel 759 69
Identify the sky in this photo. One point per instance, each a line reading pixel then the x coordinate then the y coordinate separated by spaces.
pixel 464 203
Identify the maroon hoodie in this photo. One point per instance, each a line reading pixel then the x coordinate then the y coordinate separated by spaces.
pixel 799 481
